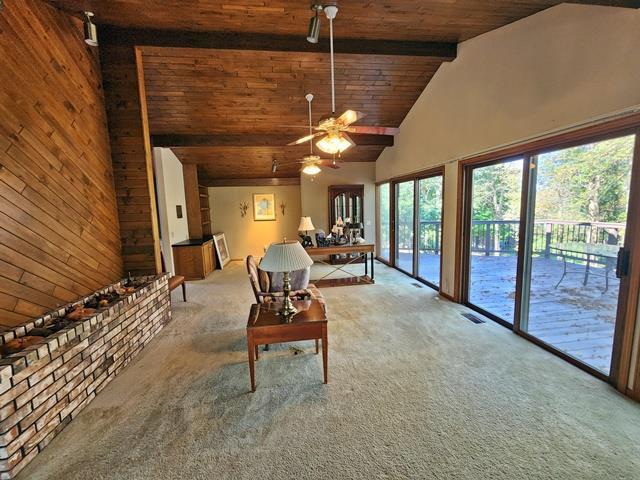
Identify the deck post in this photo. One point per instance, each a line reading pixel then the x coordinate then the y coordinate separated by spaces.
pixel 487 239
pixel 548 227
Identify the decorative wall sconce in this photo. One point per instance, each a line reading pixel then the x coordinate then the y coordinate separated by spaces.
pixel 243 208
pixel 282 207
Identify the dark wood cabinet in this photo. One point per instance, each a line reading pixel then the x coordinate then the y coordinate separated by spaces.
pixel 346 201
pixel 194 259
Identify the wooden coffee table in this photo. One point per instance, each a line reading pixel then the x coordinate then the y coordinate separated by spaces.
pixel 266 327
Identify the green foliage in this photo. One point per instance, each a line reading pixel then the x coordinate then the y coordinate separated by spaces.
pixel 404 222
pixel 430 199
pixel 497 190
pixel 586 183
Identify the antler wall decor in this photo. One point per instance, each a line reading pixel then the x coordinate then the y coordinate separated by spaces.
pixel 243 208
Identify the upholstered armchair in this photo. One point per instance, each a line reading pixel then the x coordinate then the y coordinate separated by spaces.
pixel 268 287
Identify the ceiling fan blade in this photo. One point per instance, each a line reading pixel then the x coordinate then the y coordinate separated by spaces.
pixel 349 139
pixel 295 126
pixel 305 139
pixel 329 164
pixel 349 117
pixel 289 163
pixel 372 130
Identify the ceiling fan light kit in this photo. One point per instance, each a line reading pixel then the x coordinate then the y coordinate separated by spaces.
pixel 334 143
pixel 311 169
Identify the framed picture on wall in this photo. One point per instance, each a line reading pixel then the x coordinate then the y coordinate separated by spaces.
pixel 264 206
pixel 222 251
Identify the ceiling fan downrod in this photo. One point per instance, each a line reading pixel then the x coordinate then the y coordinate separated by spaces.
pixel 309 97
pixel 331 11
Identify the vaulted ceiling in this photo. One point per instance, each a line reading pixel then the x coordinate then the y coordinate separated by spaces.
pixel 231 104
pixel 432 20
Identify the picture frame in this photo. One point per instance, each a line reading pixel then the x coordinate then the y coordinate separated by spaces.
pixel 222 250
pixel 264 207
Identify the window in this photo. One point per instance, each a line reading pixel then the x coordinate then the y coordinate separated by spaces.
pixel 492 245
pixel 429 229
pixel 384 222
pixel 404 226
pixel 579 198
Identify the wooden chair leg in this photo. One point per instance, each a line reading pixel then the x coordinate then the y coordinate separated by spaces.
pixel 184 292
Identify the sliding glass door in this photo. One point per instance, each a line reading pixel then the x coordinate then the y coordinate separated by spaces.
pixel 429 229
pixel 404 223
pixel 492 242
pixel 577 219
pixel 548 237
pixel 384 222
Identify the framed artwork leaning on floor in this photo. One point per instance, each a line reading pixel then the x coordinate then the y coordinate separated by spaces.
pixel 222 251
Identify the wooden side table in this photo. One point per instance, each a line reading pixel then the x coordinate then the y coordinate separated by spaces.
pixel 266 327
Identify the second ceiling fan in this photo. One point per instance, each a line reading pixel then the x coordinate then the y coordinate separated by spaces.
pixel 334 130
pixel 310 163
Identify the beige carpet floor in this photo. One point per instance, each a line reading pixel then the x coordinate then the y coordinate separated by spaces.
pixel 416 391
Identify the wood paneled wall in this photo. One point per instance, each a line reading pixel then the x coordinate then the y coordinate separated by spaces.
pixel 132 163
pixel 59 232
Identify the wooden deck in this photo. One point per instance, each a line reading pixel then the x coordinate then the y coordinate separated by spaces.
pixel 574 318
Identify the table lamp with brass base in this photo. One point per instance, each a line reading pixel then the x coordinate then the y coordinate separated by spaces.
pixel 286 257
pixel 287 304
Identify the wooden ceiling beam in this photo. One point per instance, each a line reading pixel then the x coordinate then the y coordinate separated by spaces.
pixel 109 34
pixel 255 140
pixel 250 182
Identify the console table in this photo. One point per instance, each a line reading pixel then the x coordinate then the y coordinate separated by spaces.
pixel 363 250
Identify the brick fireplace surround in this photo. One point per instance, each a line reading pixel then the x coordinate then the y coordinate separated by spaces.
pixel 45 386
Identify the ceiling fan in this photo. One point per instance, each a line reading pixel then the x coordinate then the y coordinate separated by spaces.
pixel 333 131
pixel 310 163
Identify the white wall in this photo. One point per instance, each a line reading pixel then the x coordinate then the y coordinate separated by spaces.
pixel 315 194
pixel 565 65
pixel 170 191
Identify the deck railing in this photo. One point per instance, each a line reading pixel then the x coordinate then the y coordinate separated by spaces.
pixel 494 237
pixel 501 236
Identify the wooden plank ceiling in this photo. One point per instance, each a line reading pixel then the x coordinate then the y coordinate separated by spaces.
pixel 246 92
pixel 236 93
pixel 434 20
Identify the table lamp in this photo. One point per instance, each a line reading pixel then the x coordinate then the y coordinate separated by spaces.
pixel 305 226
pixel 286 257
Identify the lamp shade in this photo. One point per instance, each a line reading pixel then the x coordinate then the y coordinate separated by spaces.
pixel 285 257
pixel 334 143
pixel 311 169
pixel 305 224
